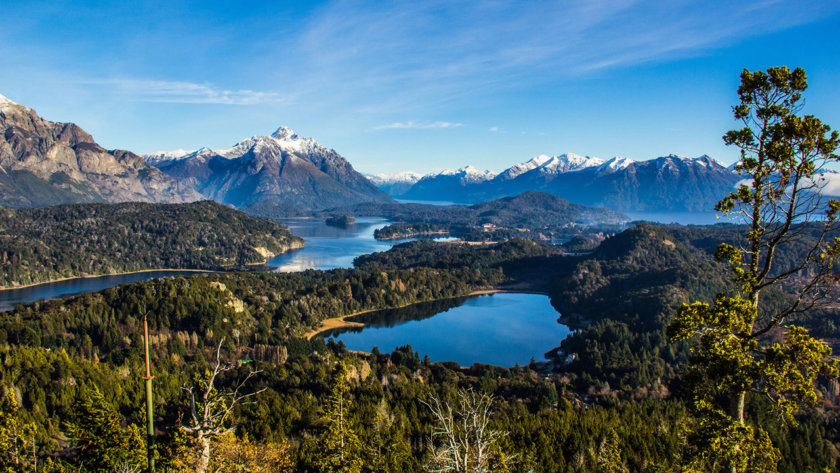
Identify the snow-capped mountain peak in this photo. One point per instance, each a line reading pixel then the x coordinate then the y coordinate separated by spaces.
pixel 568 162
pixel 285 133
pixel 400 177
pixel 9 105
pixel 706 160
pixel 518 169
pixel 615 164
pixel 6 101
pixel 467 174
pixel 156 157
pixel 472 174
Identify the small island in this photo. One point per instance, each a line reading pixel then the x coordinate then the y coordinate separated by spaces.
pixel 341 221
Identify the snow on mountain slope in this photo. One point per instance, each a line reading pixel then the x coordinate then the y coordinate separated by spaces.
pixel 465 175
pixel 161 156
pixel 282 167
pixel 405 177
pixel 614 164
pixel 569 162
pixel 518 169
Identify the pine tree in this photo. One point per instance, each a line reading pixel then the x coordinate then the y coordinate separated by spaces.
pixel 340 446
pixel 102 443
pixel 782 155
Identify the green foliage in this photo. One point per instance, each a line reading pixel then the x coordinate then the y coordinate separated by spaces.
pixel 38 245
pixel 340 447
pixel 101 441
pixel 732 356
pixel 530 214
pixel 719 443
pixel 609 456
pixel 17 437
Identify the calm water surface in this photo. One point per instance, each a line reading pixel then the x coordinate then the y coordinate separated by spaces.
pixel 330 247
pixel 500 329
pixel 326 248
pixel 53 290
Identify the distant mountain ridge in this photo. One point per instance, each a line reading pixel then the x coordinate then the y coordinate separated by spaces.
pixel 394 184
pixel 46 163
pixel 669 183
pixel 282 167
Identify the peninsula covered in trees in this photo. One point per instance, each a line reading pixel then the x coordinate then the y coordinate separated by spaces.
pixel 44 244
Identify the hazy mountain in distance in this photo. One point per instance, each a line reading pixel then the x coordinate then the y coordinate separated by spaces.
pixel 45 163
pixel 394 184
pixel 669 183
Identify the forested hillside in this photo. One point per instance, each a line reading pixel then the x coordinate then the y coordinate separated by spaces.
pixel 38 245
pixel 620 392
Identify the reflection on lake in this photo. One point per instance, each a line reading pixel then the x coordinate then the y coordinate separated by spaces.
pixel 326 248
pixel 500 329
pixel 52 290
pixel 330 247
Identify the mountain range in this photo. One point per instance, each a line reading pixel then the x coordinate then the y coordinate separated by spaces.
pixel 668 183
pixel 46 163
pixel 282 167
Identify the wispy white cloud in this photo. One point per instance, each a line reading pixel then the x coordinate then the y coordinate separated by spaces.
pixel 418 125
pixel 183 92
pixel 424 55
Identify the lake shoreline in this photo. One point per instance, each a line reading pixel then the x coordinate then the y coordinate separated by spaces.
pixel 342 322
pixel 94 276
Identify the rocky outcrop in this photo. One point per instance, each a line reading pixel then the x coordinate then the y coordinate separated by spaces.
pixel 46 163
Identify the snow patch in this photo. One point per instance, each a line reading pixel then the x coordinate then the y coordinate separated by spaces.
pixel 615 164
pixel 518 169
pixel 6 104
pixel 406 177
pixel 467 175
pixel 157 157
pixel 569 162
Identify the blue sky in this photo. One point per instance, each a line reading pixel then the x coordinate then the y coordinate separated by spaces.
pixel 416 86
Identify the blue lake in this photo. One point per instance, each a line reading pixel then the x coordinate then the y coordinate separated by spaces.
pixel 53 290
pixel 499 329
pixel 326 248
pixel 330 247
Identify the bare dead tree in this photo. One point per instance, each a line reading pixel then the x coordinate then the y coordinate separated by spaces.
pixel 211 409
pixel 462 440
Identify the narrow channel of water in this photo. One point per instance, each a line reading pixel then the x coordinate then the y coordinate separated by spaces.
pixel 499 329
pixel 52 290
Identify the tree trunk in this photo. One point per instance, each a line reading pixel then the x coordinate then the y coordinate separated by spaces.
pixel 738 406
pixel 204 458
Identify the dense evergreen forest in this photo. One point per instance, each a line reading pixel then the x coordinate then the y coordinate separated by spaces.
pixel 43 244
pixel 612 400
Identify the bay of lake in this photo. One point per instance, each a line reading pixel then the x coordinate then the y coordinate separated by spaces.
pixel 500 329
pixel 326 248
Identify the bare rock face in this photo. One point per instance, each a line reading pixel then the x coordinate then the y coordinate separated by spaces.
pixel 45 163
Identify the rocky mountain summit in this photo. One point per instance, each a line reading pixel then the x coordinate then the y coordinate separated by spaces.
pixel 46 163
pixel 283 167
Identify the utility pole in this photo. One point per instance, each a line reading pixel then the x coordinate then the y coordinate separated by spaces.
pixel 150 419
